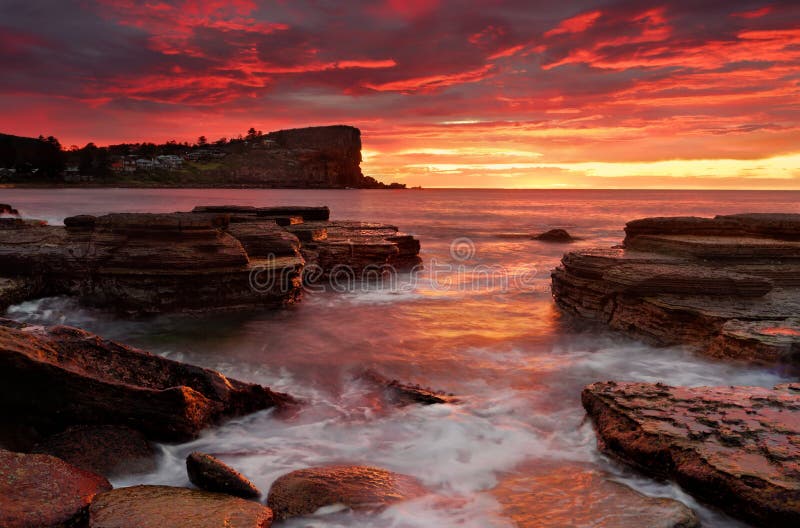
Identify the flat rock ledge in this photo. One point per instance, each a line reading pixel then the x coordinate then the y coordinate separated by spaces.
pixel 305 491
pixel 549 494
pixel 728 286
pixel 57 377
pixel 168 507
pixel 213 258
pixel 736 448
pixel 41 491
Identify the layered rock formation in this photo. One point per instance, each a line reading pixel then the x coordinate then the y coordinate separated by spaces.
pixel 728 285
pixel 737 448
pixel 217 257
pixel 60 376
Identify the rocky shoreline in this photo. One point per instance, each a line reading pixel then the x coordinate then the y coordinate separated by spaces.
pixel 76 408
pixel 726 287
pixel 723 286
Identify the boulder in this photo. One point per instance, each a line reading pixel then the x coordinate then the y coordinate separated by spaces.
pixel 108 450
pixel 715 284
pixel 61 376
pixel 305 491
pixel 211 474
pixel 733 447
pixel 552 495
pixel 554 235
pixel 6 209
pixel 41 491
pixel 168 507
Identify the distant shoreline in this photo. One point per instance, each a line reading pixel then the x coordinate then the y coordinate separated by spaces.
pixel 192 186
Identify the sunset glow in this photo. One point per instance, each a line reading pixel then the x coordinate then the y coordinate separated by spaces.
pixel 447 94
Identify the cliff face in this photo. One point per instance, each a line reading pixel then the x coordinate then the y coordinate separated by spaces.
pixel 327 156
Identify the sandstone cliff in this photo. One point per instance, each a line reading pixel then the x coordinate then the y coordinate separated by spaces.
pixel 316 157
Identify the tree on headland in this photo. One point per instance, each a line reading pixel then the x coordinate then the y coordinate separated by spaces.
pixel 202 141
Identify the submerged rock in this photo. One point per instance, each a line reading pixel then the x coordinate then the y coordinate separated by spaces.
pixel 550 495
pixel 554 235
pixel 737 448
pixel 62 376
pixel 168 507
pixel 729 286
pixel 305 491
pixel 41 491
pixel 107 450
pixel 404 393
pixel 211 474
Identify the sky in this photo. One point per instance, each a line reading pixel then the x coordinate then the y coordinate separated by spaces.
pixel 481 93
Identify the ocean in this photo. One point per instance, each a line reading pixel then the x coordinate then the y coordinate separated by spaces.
pixel 478 321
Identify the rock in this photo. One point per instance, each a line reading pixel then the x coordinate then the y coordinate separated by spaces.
pixel 62 376
pixel 349 252
pixel 214 258
pixel 150 263
pixel 734 447
pixel 305 491
pixel 265 239
pixel 80 222
pixel 41 491
pixel 778 226
pixel 703 282
pixel 6 209
pixel 570 494
pixel 108 450
pixel 554 235
pixel 16 436
pixel 18 289
pixel 168 507
pixel 305 213
pixel 211 474
pixel 403 393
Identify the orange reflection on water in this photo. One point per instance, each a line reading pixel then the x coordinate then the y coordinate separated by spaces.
pixel 573 495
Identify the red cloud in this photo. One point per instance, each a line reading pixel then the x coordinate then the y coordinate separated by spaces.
pixel 755 13
pixel 576 24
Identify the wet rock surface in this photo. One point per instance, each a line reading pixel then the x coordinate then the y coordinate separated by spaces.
pixel 168 507
pixel 107 450
pixel 400 393
pixel 557 496
pixel 7 210
pixel 214 258
pixel 737 448
pixel 211 474
pixel 61 376
pixel 41 491
pixel 554 235
pixel 727 285
pixel 305 491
